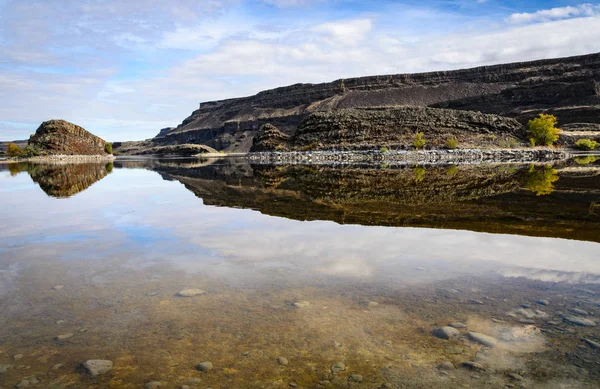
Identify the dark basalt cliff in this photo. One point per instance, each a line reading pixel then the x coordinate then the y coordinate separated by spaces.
pixel 371 128
pixel 566 87
pixel 59 137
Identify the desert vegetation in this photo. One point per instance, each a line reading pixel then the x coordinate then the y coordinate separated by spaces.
pixel 543 130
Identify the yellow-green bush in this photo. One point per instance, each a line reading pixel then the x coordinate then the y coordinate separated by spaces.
pixel 451 143
pixel 108 148
pixel 419 141
pixel 543 130
pixel 586 144
pixel 13 150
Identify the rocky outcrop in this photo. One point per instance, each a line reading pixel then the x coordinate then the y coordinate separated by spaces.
pixel 269 138
pixel 566 87
pixel 374 128
pixel 59 137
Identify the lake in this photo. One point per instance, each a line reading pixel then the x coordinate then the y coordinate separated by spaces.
pixel 301 276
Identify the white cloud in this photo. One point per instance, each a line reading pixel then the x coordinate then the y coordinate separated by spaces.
pixel 581 10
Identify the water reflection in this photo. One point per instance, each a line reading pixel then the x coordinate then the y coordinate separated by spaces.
pixel 63 180
pixel 348 305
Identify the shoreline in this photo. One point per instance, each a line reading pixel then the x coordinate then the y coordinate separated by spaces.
pixel 395 157
pixel 62 159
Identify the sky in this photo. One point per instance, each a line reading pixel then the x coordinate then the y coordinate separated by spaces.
pixel 124 69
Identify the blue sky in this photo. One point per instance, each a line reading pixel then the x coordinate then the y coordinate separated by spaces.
pixel 123 69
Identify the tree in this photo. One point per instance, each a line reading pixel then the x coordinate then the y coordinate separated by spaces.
pixel 543 130
pixel 108 148
pixel 13 150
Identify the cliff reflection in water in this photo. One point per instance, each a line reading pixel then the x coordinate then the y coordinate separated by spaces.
pixel 63 180
pixel 538 200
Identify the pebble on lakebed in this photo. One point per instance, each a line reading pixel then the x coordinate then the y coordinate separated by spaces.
pixel 486 340
pixel 98 366
pixel 283 361
pixel 204 366
pixel 446 332
pixel 301 304
pixel 63 337
pixel 580 321
pixel 190 292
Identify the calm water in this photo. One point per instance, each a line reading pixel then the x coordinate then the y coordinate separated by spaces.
pixel 319 265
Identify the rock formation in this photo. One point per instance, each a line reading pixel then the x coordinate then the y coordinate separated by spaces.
pixel 269 138
pixel 373 128
pixel 59 137
pixel 565 87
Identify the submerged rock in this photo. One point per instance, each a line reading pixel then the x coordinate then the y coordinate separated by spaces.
pixel 63 337
pixel 543 302
pixel 580 321
pixel 446 332
pixel 204 366
pixel 5 368
pixel 337 367
pixel 98 366
pixel 446 365
pixel 591 343
pixel 486 340
pixel 457 325
pixel 153 385
pixel 283 361
pixel 578 311
pixel 191 292
pixel 301 304
pixel 473 365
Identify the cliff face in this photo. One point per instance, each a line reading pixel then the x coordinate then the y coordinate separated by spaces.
pixel 567 87
pixel 59 137
pixel 372 128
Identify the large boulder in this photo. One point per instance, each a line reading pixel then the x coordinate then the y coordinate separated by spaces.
pixel 59 137
pixel 269 138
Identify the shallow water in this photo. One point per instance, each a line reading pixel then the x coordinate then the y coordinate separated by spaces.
pixel 350 264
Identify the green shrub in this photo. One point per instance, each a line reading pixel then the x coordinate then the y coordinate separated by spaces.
pixel 543 129
pixel 419 141
pixel 586 144
pixel 384 165
pixel 383 150
pixel 451 143
pixel 108 148
pixel 532 142
pixel 13 150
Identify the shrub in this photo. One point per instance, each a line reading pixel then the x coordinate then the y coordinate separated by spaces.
pixel 532 142
pixel 108 148
pixel 543 129
pixel 419 141
pixel 384 165
pixel 586 144
pixel 13 150
pixel 451 143
pixel 383 150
